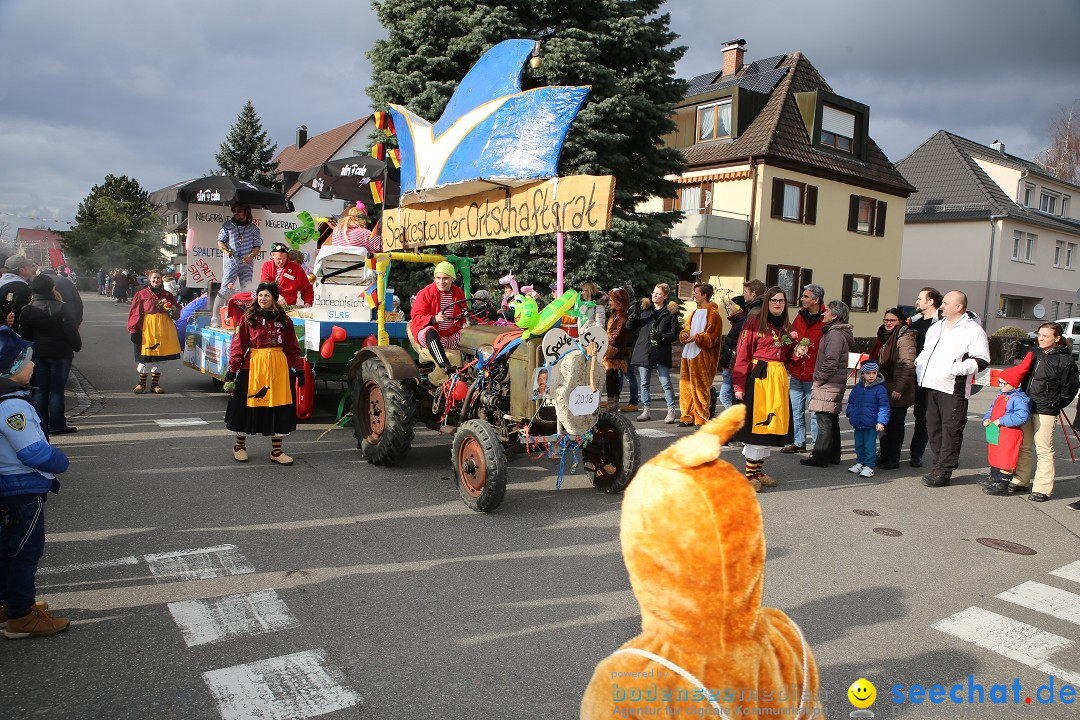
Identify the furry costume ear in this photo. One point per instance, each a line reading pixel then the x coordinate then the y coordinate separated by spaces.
pixel 673 307
pixel 704 445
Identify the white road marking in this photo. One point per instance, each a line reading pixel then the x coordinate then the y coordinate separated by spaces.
pixel 198 564
pixel 233 616
pixel 1015 640
pixel 88 565
pixel 650 432
pixel 178 422
pixel 1069 572
pixel 289 687
pixel 1046 599
pixel 84 535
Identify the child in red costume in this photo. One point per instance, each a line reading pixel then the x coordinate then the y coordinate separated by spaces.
pixel 1010 411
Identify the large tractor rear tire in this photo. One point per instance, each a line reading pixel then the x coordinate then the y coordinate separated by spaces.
pixel 384 413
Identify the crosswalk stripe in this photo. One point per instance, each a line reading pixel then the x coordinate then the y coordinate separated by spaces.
pixel 289 687
pixel 1069 572
pixel 1046 599
pixel 233 616
pixel 94 565
pixel 198 564
pixel 1015 640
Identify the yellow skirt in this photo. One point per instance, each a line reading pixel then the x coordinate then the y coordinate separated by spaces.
pixel 159 340
pixel 268 379
pixel 772 404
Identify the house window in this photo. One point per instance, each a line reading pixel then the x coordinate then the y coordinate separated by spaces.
pixel 1064 206
pixel 866 215
pixel 1070 253
pixel 1068 310
pixel 694 199
pixel 860 292
pixel 1048 203
pixel 837 128
pixel 1013 307
pixel 1029 248
pixel 1059 249
pixel 790 279
pixel 1055 307
pixel 794 201
pixel 714 121
pixel 1018 243
pixel 1029 190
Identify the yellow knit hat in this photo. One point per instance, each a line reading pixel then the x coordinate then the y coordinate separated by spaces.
pixel 445 268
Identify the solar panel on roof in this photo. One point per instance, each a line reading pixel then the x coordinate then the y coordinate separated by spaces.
pixel 763 83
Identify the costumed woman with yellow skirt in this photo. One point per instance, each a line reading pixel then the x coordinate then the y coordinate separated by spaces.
pixel 152 327
pixel 263 361
pixel 760 379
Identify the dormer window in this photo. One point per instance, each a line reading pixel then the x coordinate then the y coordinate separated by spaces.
pixel 837 128
pixel 714 121
pixel 1048 202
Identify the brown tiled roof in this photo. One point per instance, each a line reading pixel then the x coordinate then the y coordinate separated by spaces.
pixel 778 135
pixel 317 150
pixel 26 237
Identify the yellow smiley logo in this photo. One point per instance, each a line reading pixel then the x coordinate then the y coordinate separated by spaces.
pixel 862 693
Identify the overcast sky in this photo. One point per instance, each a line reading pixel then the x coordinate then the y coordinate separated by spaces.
pixel 150 89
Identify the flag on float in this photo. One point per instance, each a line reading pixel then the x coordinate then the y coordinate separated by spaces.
pixel 384 122
pixel 372 292
pixel 395 157
pixel 376 191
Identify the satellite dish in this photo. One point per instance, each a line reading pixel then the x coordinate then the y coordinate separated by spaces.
pixel 1038 312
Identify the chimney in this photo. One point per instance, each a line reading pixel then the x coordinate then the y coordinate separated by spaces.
pixel 999 146
pixel 301 136
pixel 733 56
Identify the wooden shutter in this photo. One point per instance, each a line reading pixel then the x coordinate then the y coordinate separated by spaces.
pixel 853 214
pixel 772 277
pixel 806 276
pixel 777 198
pixel 879 216
pixel 875 287
pixel 810 216
pixel 846 294
pixel 669 204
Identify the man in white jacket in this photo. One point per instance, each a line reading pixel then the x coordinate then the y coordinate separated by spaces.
pixel 955 349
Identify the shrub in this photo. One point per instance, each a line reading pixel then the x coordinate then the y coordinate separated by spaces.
pixel 1010 331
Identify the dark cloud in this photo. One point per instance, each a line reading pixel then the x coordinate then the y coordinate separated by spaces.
pixel 149 89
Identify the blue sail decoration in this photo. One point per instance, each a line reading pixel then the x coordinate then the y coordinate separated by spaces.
pixel 491 134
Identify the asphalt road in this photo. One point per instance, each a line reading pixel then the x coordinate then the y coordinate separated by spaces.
pixel 201 588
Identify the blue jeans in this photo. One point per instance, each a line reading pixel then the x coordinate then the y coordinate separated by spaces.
pixel 21 547
pixel 799 394
pixel 866 446
pixel 727 389
pixel 49 380
pixel 664 373
pixel 630 381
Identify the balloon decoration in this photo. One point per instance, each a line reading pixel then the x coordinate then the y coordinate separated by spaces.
pixel 303 233
pixel 337 334
pixel 534 321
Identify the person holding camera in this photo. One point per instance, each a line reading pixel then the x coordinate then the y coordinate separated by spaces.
pixel 657 325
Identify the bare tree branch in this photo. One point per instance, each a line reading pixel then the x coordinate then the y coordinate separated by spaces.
pixel 1062 158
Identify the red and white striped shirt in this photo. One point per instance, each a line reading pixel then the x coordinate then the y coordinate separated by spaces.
pixel 356 236
pixel 449 324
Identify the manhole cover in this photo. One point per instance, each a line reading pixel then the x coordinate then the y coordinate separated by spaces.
pixel 1005 545
pixel 888 532
pixel 867 513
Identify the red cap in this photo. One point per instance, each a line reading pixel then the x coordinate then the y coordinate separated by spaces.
pixel 1015 375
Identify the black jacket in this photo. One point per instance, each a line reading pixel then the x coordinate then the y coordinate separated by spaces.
pixel 14 295
pixel 660 326
pixel 731 340
pixel 70 295
pixel 49 324
pixel 920 326
pixel 1052 381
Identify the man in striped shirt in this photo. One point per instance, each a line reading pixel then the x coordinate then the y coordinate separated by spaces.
pixel 240 243
pixel 436 320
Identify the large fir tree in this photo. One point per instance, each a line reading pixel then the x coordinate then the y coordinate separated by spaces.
pixel 117 226
pixel 247 152
pixel 622 48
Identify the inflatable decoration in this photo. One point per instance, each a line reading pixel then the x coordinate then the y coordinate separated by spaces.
pixel 337 334
pixel 305 395
pixel 303 233
pixel 491 134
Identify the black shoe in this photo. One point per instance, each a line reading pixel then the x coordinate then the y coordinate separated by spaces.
pixel 986 480
pixel 916 462
pixel 888 466
pixel 1038 497
pixel 793 448
pixel 64 430
pixel 933 479
pixel 1001 487
pixel 811 462
pixel 685 424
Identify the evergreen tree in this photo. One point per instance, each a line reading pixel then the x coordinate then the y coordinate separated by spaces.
pixel 117 226
pixel 622 48
pixel 247 152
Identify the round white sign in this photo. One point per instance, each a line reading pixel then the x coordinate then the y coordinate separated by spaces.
pixel 555 344
pixel 584 400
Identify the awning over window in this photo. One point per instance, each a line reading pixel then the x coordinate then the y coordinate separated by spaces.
pixel 715 177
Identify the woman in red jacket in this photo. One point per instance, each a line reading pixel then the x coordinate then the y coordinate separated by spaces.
pixel 263 360
pixel 152 327
pixel 760 379
pixel 437 315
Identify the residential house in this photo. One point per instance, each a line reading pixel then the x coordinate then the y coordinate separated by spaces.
pixel 42 246
pixel 784 184
pixel 995 226
pixel 174 238
pixel 352 138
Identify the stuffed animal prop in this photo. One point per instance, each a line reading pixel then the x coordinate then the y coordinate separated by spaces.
pixel 693 543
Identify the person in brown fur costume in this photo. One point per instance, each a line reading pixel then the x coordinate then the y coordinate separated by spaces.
pixel 701 337
pixel 617 354
pixel 706 645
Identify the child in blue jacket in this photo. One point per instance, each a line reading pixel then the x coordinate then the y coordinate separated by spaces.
pixel 1011 409
pixel 868 412
pixel 28 467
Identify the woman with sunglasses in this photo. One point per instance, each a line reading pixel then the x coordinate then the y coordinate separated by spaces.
pixel 760 379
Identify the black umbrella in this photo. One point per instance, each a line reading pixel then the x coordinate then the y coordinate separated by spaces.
pixel 220 190
pixel 350 179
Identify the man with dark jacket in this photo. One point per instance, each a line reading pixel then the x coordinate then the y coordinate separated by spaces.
pixel 736 317
pixel 657 323
pixel 68 293
pixel 15 287
pixel 50 325
pixel 928 304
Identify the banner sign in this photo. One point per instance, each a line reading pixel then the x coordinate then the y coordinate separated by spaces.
pixel 204 259
pixel 578 203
